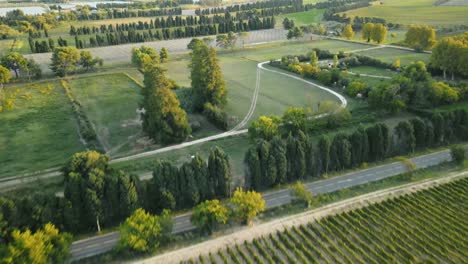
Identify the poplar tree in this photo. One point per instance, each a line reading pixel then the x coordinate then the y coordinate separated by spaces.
pixel 219 170
pixel 163 119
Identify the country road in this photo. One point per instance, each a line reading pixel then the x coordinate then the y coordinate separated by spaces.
pixel 104 243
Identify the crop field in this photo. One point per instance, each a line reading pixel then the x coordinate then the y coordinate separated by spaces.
pixel 39 131
pixel 427 226
pixel 421 12
pixel 390 55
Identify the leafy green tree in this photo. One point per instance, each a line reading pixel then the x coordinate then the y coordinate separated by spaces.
pixel 163 118
pixel 348 31
pixel 301 193
pixel 247 205
pixel 379 33
pixel 219 172
pixel 354 88
pixel 207 81
pixel 128 195
pixel 458 154
pixel 144 57
pixel 253 171
pixel 340 152
pixel 294 119
pixel 46 245
pixel 387 96
pixel 442 93
pixel 140 233
pixel 278 151
pixel 263 150
pixel 397 64
pixel 189 186
pixel 420 37
pixel 200 173
pixel 64 60
pixel 227 40
pixel 324 153
pixel 420 132
pixel 208 215
pixel 15 62
pixel 295 153
pixel 314 59
pixel 87 61
pixel 5 76
pixel 295 32
pixel 163 55
pixel 367 30
pixel 404 138
pixel 264 128
pixel 84 185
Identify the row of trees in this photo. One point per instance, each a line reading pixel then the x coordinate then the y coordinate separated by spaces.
pixel 375 32
pixel 115 13
pixel 248 6
pixel 22 68
pixel 450 54
pixel 279 160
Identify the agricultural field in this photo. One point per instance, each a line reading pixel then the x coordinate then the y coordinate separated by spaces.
pixel 39 131
pixel 426 226
pixel 419 12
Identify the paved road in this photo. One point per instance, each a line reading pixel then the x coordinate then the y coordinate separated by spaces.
pixel 103 243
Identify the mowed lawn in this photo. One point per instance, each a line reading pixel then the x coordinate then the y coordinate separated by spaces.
pixel 302 18
pixel 110 102
pixel 39 132
pixel 390 55
pixel 407 12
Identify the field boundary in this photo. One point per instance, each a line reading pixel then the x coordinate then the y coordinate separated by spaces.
pixel 247 234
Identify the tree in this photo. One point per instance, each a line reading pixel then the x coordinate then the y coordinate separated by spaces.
pixel 397 64
pixel 219 172
pixel 278 152
pixel 205 73
pixel 294 119
pixel 163 119
pixel 449 54
pixel 442 93
pixel 367 30
pixel 335 61
pixel 348 32
pixel 247 205
pixel 208 215
pixel 163 55
pixel 64 60
pixel 355 88
pixel 295 32
pixel 84 185
pixel 404 138
pixel 265 128
pixel 379 33
pixel 420 37
pixel 300 192
pixel 15 62
pixel 46 245
pixel 144 57
pixel 314 59
pixel 140 232
pixel 227 40
pixel 458 154
pixel 5 76
pixel 387 96
pixel 87 61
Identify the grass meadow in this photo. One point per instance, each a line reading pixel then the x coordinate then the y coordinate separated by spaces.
pixel 39 131
pixel 313 16
pixel 419 12
pixel 390 55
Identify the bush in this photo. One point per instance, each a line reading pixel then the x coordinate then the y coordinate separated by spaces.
pixel 458 154
pixel 216 115
pixel 355 88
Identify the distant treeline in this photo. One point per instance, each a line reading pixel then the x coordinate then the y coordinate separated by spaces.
pixel 134 36
pixel 169 22
pixel 249 6
pixel 118 13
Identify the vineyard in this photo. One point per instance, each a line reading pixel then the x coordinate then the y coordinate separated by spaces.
pixel 429 226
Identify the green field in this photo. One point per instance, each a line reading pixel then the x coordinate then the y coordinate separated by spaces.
pixel 39 132
pixel 302 18
pixel 420 12
pixel 110 102
pixel 372 71
pixel 421 227
pixel 389 55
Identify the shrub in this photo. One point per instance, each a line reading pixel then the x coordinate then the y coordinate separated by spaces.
pixel 355 87
pixel 458 154
pixel 216 115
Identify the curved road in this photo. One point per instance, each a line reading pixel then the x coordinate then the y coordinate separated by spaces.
pixel 104 243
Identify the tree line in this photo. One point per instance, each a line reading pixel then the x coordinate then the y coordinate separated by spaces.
pixel 117 38
pixel 86 15
pixel 158 23
pixel 96 195
pixel 291 155
pixel 249 6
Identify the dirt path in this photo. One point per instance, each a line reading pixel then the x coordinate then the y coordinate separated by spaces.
pixel 296 220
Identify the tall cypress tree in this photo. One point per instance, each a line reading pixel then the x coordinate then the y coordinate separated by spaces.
pixel 253 168
pixel 219 168
pixel 324 153
pixel 278 150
